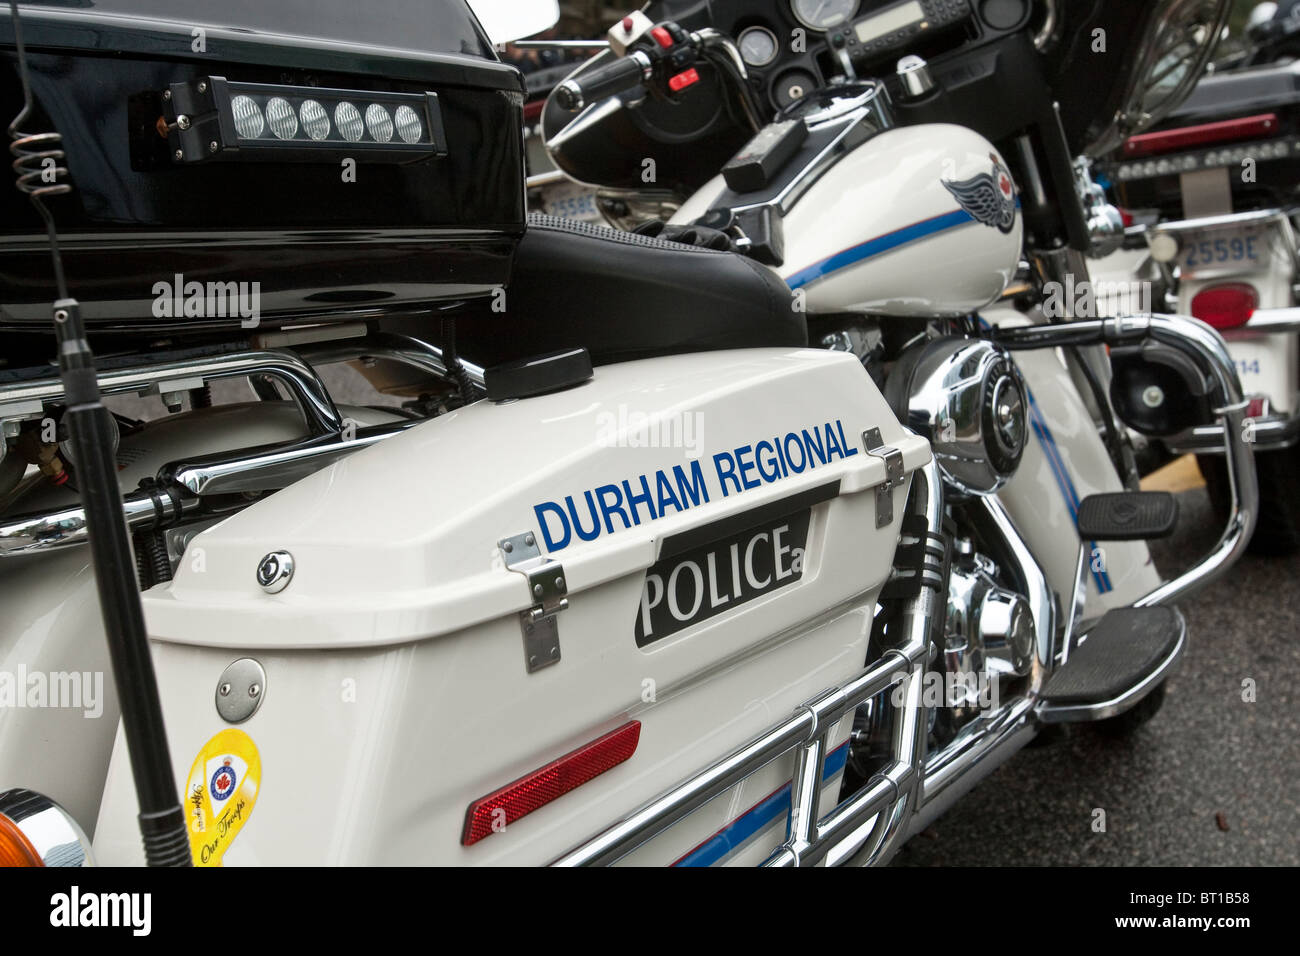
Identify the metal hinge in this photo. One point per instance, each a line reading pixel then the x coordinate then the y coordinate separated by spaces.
pixel 894 474
pixel 548 587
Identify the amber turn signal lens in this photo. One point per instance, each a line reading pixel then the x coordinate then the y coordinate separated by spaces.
pixel 15 848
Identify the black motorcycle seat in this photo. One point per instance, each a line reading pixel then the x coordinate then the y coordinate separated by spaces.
pixel 623 296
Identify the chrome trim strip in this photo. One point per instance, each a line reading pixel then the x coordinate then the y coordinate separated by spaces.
pixel 272 470
pixel 1255 217
pixel 406 349
pixel 1073 713
pixel 1265 322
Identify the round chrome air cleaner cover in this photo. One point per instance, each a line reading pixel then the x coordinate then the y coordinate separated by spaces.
pixel 970 400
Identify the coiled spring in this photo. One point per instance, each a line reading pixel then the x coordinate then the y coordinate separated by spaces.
pixel 37 159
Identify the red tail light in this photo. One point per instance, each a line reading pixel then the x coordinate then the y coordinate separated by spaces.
pixel 557 778
pixel 1189 137
pixel 1226 306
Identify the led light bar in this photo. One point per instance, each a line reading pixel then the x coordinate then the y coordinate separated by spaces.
pixel 1231 156
pixel 213 118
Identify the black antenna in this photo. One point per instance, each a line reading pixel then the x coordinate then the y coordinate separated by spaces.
pixel 90 429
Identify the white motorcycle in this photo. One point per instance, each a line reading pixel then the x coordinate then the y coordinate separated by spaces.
pixel 664 584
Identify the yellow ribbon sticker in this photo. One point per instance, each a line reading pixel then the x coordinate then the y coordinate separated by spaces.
pixel 220 794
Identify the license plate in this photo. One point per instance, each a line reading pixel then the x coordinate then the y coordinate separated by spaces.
pixel 1244 248
pixel 571 201
pixel 693 586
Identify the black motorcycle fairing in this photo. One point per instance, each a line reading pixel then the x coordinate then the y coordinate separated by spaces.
pixel 623 297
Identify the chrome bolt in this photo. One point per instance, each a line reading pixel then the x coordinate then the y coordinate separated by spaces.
pixel 203 86
pixel 559 584
pixel 182 122
pixel 254 690
pixel 537 590
pixel 224 690
pixel 1153 396
pixel 61 315
pixel 529 540
pixel 212 146
pixel 532 661
pixel 179 154
pixel 167 95
pixel 555 653
pixel 507 547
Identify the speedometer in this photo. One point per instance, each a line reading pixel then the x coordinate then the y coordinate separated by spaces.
pixel 823 14
pixel 757 46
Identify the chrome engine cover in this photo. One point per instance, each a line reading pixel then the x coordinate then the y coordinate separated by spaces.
pixel 969 399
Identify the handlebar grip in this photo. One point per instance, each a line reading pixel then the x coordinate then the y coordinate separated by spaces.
pixel 623 74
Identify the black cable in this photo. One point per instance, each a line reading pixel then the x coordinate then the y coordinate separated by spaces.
pixel 452 361
pixel 92 433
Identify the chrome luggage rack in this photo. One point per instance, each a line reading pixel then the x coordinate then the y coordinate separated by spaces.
pixel 188 490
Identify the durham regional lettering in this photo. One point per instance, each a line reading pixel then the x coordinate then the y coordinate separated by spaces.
pixel 634 501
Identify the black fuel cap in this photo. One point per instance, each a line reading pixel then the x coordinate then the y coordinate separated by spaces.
pixel 538 375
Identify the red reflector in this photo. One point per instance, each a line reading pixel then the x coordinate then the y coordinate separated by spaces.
pixel 1257 408
pixel 662 37
pixel 683 80
pixel 1227 131
pixel 557 778
pixel 533 111
pixel 1226 306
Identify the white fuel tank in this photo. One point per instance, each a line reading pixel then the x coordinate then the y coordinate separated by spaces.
pixel 916 221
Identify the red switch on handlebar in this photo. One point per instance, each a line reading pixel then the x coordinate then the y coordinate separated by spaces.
pixel 682 80
pixel 662 37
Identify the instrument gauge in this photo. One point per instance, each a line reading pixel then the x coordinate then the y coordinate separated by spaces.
pixel 758 46
pixel 823 14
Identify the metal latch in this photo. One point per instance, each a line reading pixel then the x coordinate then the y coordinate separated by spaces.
pixel 548 587
pixel 894 475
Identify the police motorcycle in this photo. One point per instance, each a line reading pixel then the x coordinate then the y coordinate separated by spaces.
pixel 1215 188
pixel 673 555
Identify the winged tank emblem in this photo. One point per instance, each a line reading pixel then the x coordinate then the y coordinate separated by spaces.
pixel 990 198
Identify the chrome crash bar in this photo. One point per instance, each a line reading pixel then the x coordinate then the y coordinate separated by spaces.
pixel 868 822
pixel 1203 346
pixel 1268 432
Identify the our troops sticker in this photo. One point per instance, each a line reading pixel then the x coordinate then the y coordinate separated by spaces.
pixel 220 794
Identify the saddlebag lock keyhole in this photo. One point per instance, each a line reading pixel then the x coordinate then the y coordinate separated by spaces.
pixel 240 690
pixel 275 571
